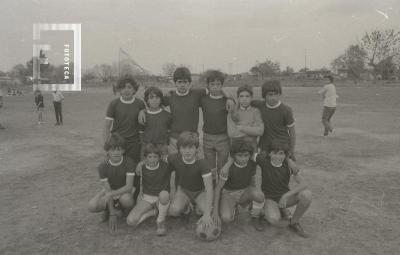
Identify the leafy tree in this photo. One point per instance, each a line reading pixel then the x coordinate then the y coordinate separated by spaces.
pixel 267 68
pixel 353 60
pixel 383 50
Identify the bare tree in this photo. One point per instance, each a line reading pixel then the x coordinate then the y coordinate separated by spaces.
pixel 168 68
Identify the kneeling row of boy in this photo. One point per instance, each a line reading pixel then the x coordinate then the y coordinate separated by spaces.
pixel 194 185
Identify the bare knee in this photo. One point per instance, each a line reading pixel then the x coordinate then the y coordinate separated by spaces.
pixel 126 200
pixel 305 197
pixel 94 206
pixel 132 220
pixel 272 218
pixel 164 197
pixel 174 210
pixel 258 196
pixel 227 216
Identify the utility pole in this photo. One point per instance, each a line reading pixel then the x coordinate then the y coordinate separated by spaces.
pixel 305 60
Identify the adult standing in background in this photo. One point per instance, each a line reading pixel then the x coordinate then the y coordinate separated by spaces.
pixel 57 99
pixel 329 95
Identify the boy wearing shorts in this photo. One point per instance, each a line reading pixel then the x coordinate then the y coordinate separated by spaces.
pixel 116 174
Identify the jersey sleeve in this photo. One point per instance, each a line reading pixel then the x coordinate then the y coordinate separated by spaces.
pixel 204 168
pixel 289 119
pixel 141 104
pixel 110 114
pixel 253 168
pixel 102 169
pixel 260 158
pixel 130 165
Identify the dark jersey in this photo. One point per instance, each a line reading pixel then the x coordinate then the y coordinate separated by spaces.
pixel 189 176
pixel 156 129
pixel 239 177
pixel 116 174
pixel 125 117
pixel 185 110
pixel 275 180
pixel 157 180
pixel 276 122
pixel 214 115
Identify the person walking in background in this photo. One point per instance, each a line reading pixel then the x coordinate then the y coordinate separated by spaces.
pixel 39 103
pixel 57 99
pixel 329 95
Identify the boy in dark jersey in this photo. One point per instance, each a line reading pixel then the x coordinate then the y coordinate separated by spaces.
pixel 122 118
pixel 158 121
pixel 275 185
pixel 156 175
pixel 116 174
pixel 215 137
pixel 277 117
pixel 193 178
pixel 237 183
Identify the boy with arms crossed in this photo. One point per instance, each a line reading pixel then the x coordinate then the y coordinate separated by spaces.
pixel 275 185
pixel 237 185
pixel 122 118
pixel 194 179
pixel 156 175
pixel 116 174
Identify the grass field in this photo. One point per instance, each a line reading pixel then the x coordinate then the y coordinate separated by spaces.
pixel 48 174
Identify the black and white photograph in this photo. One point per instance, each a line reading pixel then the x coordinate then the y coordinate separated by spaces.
pixel 200 127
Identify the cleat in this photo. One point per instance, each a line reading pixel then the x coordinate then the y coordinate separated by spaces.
pixel 295 227
pixel 258 223
pixel 161 229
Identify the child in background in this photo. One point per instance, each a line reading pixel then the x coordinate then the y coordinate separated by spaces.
pixel 116 175
pixel 39 103
pixel 328 93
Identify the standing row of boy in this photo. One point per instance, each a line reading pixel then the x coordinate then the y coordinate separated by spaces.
pixel 236 139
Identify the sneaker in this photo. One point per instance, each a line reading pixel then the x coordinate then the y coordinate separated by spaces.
pixel 295 227
pixel 161 229
pixel 258 223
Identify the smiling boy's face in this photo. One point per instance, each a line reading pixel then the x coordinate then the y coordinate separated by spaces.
pixel 154 101
pixel 277 157
pixel 272 98
pixel 188 152
pixel 127 92
pixel 241 158
pixel 182 85
pixel 152 159
pixel 115 154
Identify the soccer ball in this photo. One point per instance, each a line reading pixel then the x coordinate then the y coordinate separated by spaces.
pixel 208 233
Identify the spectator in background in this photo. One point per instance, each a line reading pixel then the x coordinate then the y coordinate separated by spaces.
pixel 329 95
pixel 1 104
pixel 57 99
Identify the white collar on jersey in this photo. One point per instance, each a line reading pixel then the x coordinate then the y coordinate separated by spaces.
pixel 245 108
pixel 127 102
pixel 237 165
pixel 189 162
pixel 118 163
pixel 154 112
pixel 216 97
pixel 272 163
pixel 153 168
pixel 182 94
pixel 273 107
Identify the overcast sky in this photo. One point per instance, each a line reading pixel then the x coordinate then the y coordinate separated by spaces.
pixel 196 33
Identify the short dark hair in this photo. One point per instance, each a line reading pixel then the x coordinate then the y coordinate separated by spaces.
pixel 127 79
pixel 151 148
pixel 182 73
pixel 245 87
pixel 215 75
pixel 114 141
pixel 156 91
pixel 241 146
pixel 188 139
pixel 330 77
pixel 278 145
pixel 271 86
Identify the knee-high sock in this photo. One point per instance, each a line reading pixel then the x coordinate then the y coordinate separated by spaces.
pixel 162 211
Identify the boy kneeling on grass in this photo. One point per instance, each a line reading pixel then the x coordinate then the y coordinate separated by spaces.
pixel 276 176
pixel 156 176
pixel 116 174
